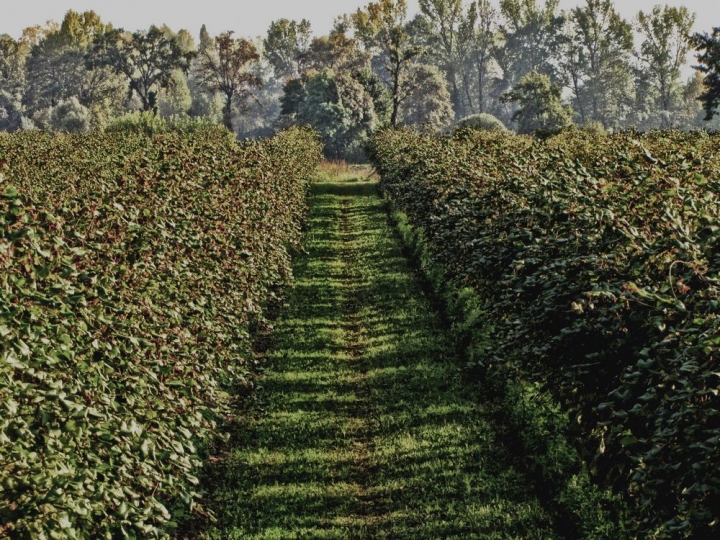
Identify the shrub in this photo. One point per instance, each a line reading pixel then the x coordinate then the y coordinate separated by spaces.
pixel 482 121
pixel 594 127
pixel 131 271
pixel 150 124
pixel 70 116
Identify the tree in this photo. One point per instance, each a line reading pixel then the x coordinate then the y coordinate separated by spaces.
pixel 665 31
pixel 541 110
pixel 691 113
pixel 382 100
pixel 382 26
pixel 80 29
pixel 477 32
pixel 336 51
pixel 56 69
pixel 33 35
pixel 13 55
pixel 70 116
pixel 13 61
pixel 206 41
pixel 597 61
pixel 202 103
pixel 147 60
pixel 176 99
pixel 429 104
pixel 224 68
pixel 446 18
pixel 708 48
pixel 336 105
pixel 286 43
pixel 530 39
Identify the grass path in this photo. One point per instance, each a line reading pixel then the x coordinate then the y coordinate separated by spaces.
pixel 361 427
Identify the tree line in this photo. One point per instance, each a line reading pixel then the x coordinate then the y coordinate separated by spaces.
pixel 524 65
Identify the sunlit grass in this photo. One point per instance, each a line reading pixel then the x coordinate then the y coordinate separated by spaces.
pixel 362 427
pixel 342 171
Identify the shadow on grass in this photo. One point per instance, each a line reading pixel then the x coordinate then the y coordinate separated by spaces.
pixel 362 427
pixel 344 189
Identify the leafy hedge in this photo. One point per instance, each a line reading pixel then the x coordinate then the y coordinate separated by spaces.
pixel 130 271
pixel 596 263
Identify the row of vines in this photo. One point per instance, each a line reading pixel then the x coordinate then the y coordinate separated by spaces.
pixel 131 272
pixel 596 262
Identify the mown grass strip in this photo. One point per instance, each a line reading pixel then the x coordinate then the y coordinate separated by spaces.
pixel 362 427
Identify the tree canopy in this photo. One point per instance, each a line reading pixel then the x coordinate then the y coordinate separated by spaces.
pixel 451 59
pixel 224 68
pixel 541 109
pixel 146 58
pixel 381 26
pixel 708 48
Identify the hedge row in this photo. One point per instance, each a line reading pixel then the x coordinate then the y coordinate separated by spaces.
pixel 130 271
pixel 596 263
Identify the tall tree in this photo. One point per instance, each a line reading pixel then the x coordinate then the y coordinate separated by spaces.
pixel 206 41
pixel 12 64
pixel 446 18
pixel 12 80
pixel 203 104
pixel 337 52
pixel 692 113
pixel 541 110
pixel 531 39
pixel 381 26
pixel 285 44
pixel 148 60
pixel 80 29
pixel 176 99
pixel 477 32
pixel 708 48
pixel 54 73
pixel 598 61
pixel 225 67
pixel 56 70
pixel 337 106
pixel 663 51
pixel 428 107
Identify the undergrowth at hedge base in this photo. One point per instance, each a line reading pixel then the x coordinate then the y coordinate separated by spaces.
pixel 531 422
pixel 130 270
pixel 595 261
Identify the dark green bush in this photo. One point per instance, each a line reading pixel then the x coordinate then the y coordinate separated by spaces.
pixel 148 123
pixel 482 121
pixel 131 268
pixel 595 261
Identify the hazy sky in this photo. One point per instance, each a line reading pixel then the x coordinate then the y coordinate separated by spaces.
pixel 250 18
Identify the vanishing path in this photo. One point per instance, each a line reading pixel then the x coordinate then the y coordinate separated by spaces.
pixel 361 427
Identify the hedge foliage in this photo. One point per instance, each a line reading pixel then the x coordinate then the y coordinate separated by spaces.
pixel 596 259
pixel 130 270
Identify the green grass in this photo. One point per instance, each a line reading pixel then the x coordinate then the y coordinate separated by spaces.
pixel 361 426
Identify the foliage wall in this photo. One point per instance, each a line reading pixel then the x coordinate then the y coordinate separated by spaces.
pixel 131 270
pixel 596 262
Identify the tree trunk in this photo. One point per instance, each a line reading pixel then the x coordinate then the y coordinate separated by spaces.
pixel 481 88
pixel 456 94
pixel 468 93
pixel 395 96
pixel 227 113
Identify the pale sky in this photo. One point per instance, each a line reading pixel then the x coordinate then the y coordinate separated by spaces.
pixel 250 18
